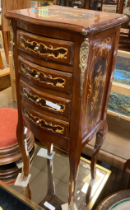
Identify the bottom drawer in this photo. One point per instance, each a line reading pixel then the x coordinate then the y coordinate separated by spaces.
pixel 46 123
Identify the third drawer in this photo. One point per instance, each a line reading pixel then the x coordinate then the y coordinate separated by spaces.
pixel 45 101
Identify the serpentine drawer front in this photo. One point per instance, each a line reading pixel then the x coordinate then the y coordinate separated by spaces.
pixel 45 101
pixel 45 77
pixel 64 64
pixel 46 48
pixel 46 123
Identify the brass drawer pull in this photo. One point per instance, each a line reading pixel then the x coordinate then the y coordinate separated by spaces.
pixel 38 121
pixel 36 76
pixel 37 100
pixel 36 48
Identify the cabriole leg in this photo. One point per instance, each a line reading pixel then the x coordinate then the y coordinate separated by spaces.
pixel 100 136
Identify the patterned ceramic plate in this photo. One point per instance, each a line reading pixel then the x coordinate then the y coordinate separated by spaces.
pixel 121 205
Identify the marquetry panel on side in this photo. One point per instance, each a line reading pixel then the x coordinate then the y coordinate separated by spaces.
pixel 96 75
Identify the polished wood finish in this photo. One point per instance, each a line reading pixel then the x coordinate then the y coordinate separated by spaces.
pixel 81 21
pixel 100 137
pixel 90 40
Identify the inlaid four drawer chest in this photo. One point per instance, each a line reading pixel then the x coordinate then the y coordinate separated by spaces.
pixel 64 60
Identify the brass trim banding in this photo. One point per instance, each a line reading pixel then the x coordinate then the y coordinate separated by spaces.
pixel 49 51
pixel 29 96
pixel 43 124
pixel 42 77
pixel 84 51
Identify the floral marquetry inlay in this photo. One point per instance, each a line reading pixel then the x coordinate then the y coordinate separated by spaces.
pixel 42 49
pixel 42 77
pixel 43 124
pixel 96 80
pixel 97 83
pixel 41 101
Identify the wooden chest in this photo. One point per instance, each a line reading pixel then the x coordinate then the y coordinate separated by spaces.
pixel 64 61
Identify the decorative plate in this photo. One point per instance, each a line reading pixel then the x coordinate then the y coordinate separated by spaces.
pixel 121 205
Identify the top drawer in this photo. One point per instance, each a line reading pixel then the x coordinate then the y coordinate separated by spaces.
pixel 46 48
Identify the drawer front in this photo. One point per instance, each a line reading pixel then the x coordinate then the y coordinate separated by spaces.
pixel 45 101
pixel 46 48
pixel 46 77
pixel 49 124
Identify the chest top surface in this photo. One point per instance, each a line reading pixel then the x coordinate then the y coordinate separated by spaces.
pixel 75 19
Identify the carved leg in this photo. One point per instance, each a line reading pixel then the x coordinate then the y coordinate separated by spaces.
pixel 74 165
pixel 21 136
pixel 100 136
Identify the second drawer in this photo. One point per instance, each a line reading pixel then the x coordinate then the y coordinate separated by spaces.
pixel 45 77
pixel 45 101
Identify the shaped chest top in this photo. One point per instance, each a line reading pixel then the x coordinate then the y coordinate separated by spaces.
pixel 74 19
